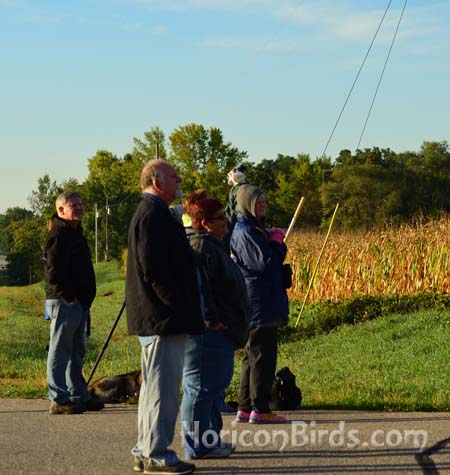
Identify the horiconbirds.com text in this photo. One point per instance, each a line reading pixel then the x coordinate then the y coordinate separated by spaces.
pixel 300 434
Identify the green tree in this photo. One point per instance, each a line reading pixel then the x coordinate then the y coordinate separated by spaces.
pixel 21 240
pixel 18 271
pixel 425 180
pixel 203 159
pixel 25 253
pixel 152 146
pixel 436 172
pixel 301 178
pixel 131 172
pixel 11 214
pixel 107 203
pixel 284 181
pixel 42 200
pixel 367 188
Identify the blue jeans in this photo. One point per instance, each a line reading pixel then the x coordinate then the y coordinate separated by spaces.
pixel 162 368
pixel 66 352
pixel 208 369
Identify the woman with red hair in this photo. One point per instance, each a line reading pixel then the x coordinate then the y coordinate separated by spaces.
pixel 209 358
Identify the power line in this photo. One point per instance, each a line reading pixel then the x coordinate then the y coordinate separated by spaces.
pixel 382 74
pixel 356 78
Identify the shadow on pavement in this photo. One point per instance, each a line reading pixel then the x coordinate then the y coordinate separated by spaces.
pixel 427 463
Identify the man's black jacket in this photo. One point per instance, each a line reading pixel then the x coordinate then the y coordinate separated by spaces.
pixel 69 272
pixel 161 287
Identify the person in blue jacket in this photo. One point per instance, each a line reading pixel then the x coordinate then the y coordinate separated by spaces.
pixel 260 255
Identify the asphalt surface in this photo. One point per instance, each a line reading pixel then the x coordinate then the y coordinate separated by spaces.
pixel 33 442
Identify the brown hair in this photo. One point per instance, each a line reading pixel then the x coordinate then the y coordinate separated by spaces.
pixel 191 198
pixel 204 209
pixel 51 222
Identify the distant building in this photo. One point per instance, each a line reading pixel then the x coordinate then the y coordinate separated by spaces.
pixel 3 262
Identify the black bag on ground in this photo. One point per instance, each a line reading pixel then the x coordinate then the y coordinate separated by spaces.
pixel 287 276
pixel 286 396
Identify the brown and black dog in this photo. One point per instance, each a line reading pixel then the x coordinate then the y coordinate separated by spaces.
pixel 117 389
pixel 125 387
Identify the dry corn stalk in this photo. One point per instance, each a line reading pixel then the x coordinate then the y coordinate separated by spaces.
pixel 402 261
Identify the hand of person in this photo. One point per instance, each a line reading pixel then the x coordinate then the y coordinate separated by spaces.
pixel 215 326
pixel 277 235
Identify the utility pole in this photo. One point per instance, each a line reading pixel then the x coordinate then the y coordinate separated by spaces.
pixel 96 233
pixel 106 231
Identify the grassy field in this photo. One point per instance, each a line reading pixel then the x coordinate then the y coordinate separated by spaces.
pixel 399 362
pixel 24 335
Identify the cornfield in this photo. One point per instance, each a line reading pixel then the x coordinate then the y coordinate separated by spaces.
pixel 406 260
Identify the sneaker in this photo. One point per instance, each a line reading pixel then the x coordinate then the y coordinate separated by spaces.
pixel 66 408
pixel 228 445
pixel 138 463
pixel 93 405
pixel 242 416
pixel 181 468
pixel 266 418
pixel 216 453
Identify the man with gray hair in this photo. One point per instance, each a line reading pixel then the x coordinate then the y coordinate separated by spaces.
pixel 163 307
pixel 70 290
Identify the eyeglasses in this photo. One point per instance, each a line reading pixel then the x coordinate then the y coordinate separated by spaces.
pixel 221 217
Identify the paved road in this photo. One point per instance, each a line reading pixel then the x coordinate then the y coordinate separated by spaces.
pixel 32 442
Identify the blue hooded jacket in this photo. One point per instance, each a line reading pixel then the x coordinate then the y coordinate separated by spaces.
pixel 260 261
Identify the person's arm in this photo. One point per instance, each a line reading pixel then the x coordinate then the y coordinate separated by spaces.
pixel 211 275
pixel 256 252
pixel 153 253
pixel 55 268
pixel 280 250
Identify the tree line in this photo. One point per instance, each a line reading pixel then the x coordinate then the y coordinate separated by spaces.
pixel 374 186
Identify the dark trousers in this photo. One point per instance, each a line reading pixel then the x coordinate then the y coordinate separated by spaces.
pixel 258 369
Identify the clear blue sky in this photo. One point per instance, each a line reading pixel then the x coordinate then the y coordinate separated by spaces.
pixel 78 76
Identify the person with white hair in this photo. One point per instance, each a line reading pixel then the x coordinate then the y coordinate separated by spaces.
pixel 163 307
pixel 70 290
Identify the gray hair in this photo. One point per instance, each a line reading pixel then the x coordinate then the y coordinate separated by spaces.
pixel 246 198
pixel 66 197
pixel 152 171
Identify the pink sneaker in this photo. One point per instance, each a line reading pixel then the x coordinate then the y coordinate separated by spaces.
pixel 266 418
pixel 242 416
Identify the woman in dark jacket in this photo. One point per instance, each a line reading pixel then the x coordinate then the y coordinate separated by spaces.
pixel 209 358
pixel 259 254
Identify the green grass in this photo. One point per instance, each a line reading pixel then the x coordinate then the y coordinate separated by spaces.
pixel 24 335
pixel 396 362
pixel 400 362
